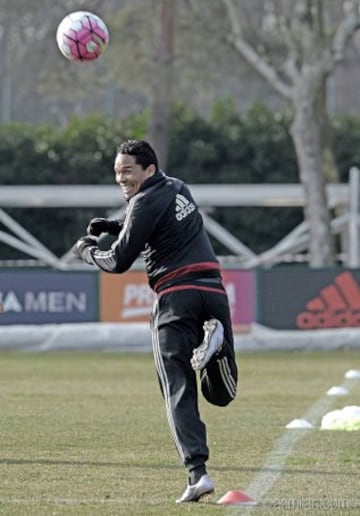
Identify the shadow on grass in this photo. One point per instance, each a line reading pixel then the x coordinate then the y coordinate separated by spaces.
pixel 54 462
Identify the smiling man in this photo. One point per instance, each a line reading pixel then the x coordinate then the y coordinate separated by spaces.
pixel 191 325
pixel 130 174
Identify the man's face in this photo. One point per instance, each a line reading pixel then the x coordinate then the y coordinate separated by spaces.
pixel 129 175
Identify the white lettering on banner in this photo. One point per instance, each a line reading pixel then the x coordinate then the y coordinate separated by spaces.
pixel 10 302
pixel 231 292
pixel 137 301
pixel 138 293
pixel 76 302
pixel 35 303
pixel 57 301
pixel 52 302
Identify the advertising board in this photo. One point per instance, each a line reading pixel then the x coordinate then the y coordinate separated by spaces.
pixel 307 299
pixel 38 296
pixel 128 298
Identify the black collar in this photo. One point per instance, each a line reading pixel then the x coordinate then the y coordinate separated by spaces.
pixel 152 180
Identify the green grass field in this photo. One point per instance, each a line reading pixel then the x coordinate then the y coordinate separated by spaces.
pixel 85 433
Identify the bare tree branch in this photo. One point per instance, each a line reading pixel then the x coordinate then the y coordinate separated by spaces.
pixel 283 25
pixel 346 29
pixel 251 56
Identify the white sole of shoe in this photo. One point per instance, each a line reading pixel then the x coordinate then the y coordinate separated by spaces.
pixel 213 340
pixel 193 493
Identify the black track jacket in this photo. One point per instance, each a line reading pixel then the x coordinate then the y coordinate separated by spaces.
pixel 162 223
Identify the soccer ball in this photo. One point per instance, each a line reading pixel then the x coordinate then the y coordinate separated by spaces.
pixel 82 36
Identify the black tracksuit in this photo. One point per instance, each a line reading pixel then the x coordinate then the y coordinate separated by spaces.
pixel 163 224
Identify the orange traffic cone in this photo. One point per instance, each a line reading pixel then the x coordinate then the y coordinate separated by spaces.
pixel 236 498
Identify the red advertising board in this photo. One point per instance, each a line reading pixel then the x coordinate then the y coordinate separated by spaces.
pixel 240 287
pixel 128 298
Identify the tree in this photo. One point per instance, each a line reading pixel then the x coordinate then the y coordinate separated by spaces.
pixel 312 39
pixel 162 80
pixel 18 34
pixel 295 46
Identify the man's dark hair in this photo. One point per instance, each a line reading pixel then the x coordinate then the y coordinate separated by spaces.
pixel 142 151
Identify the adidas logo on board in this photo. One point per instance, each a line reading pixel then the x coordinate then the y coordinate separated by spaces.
pixel 336 306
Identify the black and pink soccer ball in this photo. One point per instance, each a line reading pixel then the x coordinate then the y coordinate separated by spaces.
pixel 82 36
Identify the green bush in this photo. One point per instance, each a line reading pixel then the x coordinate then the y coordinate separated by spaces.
pixel 226 147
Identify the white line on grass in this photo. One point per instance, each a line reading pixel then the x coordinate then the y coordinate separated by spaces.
pixel 273 467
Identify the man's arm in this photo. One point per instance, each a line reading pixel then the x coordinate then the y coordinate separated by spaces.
pixel 130 243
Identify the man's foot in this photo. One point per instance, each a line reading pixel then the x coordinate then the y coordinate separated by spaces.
pixel 213 340
pixel 194 492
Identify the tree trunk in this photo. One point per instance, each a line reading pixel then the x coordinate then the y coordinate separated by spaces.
pixel 307 134
pixel 162 87
pixel 330 169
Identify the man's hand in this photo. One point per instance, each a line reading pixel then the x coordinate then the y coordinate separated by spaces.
pixel 82 244
pixel 99 225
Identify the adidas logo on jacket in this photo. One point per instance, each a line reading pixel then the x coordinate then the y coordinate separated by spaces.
pixel 183 207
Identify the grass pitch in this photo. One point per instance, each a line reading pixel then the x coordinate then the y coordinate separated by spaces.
pixel 85 433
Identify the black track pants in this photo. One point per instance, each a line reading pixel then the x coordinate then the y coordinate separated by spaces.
pixel 177 321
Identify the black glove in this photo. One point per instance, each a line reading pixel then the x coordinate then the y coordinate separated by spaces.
pixel 98 225
pixel 82 244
